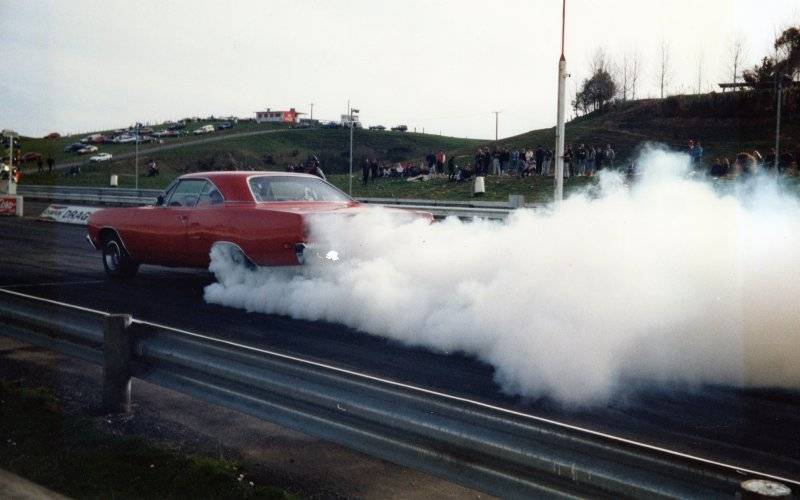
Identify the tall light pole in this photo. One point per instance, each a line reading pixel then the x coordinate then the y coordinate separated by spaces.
pixel 496 124
pixel 12 188
pixel 562 81
pixel 352 113
pixel 136 160
pixel 312 111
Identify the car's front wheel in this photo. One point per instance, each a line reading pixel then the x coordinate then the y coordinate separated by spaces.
pixel 116 261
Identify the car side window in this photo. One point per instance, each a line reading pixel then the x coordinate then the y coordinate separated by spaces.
pixel 186 193
pixel 209 195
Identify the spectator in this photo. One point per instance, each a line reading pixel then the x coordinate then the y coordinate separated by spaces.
pixel 431 160
pixel 496 161
pixel 365 171
pixel 539 156
pixel 598 158
pixel 580 158
pixel 152 169
pixel 50 163
pixel 505 159
pixel 695 152
pixel 590 157
pixel 451 169
pixel 440 159
pixel 718 169
pixel 548 160
pixel 39 166
pixel 744 166
pixel 568 156
pixel 769 159
pixel 373 167
pixel 784 162
pixel 610 155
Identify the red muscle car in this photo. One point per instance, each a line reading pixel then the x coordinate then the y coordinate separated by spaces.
pixel 259 216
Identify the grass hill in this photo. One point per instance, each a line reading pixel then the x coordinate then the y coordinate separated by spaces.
pixel 724 123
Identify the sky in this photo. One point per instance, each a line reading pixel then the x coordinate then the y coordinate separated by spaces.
pixel 442 66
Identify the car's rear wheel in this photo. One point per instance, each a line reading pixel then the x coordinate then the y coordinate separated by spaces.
pixel 116 261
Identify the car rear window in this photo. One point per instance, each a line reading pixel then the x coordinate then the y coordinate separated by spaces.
pixel 291 188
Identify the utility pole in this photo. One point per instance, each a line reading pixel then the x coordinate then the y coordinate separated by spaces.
pixel 352 112
pixel 779 95
pixel 12 187
pixel 312 111
pixel 496 123
pixel 562 80
pixel 136 160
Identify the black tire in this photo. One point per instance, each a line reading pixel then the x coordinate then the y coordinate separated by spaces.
pixel 116 261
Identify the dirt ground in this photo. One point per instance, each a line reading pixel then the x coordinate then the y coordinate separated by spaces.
pixel 273 455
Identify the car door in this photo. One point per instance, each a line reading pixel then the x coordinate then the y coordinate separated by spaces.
pixel 163 232
pixel 206 224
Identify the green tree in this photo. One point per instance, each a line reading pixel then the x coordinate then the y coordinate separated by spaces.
pixel 596 92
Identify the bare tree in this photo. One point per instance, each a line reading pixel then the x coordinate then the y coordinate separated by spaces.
pixel 664 76
pixel 636 70
pixel 624 68
pixel 700 61
pixel 600 61
pixel 736 55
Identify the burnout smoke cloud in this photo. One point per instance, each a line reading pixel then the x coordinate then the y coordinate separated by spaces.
pixel 666 282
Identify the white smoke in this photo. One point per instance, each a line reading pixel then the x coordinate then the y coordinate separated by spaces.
pixel 665 282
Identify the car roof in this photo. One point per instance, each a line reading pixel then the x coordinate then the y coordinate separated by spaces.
pixel 233 184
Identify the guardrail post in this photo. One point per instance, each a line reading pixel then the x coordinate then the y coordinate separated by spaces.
pixel 117 354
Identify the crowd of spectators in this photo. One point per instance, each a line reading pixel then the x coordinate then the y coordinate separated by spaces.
pixel 579 160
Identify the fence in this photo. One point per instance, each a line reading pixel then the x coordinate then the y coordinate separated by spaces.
pixel 501 452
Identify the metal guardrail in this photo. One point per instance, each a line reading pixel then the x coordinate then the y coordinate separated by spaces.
pixel 501 452
pixel 133 197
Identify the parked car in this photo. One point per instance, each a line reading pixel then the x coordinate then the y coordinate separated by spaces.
pixel 74 147
pixel 94 139
pixel 400 128
pixel 166 133
pixel 332 125
pixel 87 149
pixel 177 126
pixel 258 218
pixel 101 157
pixel 205 129
pixel 377 127
pixel 30 157
pixel 53 135
pixel 224 126
pixel 124 139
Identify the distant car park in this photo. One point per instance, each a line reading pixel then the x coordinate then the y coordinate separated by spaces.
pixel 400 128
pixel 377 127
pixel 101 157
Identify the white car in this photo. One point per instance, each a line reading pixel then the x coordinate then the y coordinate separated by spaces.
pixel 205 129
pixel 87 149
pixel 124 139
pixel 101 157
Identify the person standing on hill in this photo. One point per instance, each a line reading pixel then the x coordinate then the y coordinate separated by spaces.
pixel 539 160
pixel 50 163
pixel 40 166
pixel 598 158
pixel 365 171
pixel 440 159
pixel 451 169
pixel 373 166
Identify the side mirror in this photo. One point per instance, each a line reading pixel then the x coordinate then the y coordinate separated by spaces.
pixel 160 200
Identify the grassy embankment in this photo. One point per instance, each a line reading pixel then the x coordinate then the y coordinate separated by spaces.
pixel 725 124
pixel 69 455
